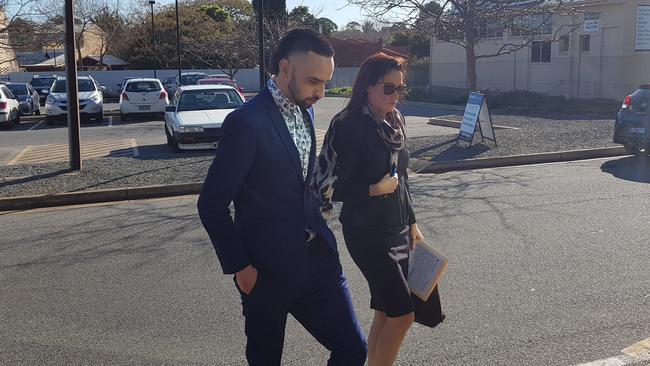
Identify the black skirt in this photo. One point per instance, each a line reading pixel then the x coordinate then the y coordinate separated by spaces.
pixel 383 258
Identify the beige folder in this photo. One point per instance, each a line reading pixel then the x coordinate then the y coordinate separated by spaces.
pixel 426 267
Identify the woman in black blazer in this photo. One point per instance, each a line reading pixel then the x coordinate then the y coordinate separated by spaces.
pixel 363 163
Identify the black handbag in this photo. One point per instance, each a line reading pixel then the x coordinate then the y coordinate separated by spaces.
pixel 428 312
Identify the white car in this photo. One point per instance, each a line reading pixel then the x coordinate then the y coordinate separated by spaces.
pixel 195 122
pixel 91 100
pixel 9 108
pixel 142 96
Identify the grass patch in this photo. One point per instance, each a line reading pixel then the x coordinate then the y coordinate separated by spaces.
pixel 347 91
pixel 520 102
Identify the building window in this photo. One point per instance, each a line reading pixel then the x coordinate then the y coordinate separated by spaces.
pixel 564 44
pixel 585 42
pixel 536 24
pixel 490 29
pixel 541 51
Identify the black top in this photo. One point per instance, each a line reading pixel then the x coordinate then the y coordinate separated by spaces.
pixel 363 160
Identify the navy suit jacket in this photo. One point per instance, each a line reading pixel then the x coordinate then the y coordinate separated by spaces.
pixel 257 167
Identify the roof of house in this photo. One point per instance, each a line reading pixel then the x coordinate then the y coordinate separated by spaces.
pixel 109 60
pixel 352 52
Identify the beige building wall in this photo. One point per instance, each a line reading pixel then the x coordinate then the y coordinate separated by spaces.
pixel 8 62
pixel 610 69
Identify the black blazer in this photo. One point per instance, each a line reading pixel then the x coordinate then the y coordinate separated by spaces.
pixel 257 167
pixel 364 159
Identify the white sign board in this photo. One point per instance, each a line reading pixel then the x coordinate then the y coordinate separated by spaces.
pixel 476 113
pixel 642 28
pixel 472 110
pixel 592 25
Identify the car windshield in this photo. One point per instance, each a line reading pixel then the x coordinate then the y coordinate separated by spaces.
pixel 41 83
pixel 142 86
pixel 191 79
pixel 85 85
pixel 200 100
pixel 18 89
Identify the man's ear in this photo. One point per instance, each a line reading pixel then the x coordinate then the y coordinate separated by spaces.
pixel 285 66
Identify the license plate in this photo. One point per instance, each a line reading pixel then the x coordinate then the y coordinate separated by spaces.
pixel 637 129
pixel 144 107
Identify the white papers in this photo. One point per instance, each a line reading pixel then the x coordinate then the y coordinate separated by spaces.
pixel 426 266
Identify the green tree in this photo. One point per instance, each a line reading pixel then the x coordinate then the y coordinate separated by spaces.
pixel 328 25
pixel 301 17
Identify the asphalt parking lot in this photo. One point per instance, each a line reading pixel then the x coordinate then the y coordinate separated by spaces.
pixel 109 137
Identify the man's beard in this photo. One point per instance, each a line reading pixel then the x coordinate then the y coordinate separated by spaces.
pixel 295 95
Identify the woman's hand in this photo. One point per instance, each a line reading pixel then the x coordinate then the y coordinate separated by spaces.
pixel 387 185
pixel 416 235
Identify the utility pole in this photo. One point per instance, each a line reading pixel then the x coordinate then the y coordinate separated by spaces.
pixel 178 45
pixel 153 39
pixel 260 41
pixel 74 138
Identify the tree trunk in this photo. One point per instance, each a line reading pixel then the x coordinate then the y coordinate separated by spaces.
pixel 470 57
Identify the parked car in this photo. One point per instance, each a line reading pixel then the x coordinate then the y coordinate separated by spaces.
pixel 143 96
pixel 28 99
pixel 120 86
pixel 91 100
pixel 42 85
pixel 187 78
pixel 632 127
pixel 219 81
pixel 9 108
pixel 195 121
pixel 168 83
pixel 218 76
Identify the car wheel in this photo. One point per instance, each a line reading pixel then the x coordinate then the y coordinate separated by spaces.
pixel 17 120
pixel 174 144
pixel 170 141
pixel 37 109
pixel 633 150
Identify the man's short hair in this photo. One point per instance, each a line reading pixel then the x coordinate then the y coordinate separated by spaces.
pixel 299 40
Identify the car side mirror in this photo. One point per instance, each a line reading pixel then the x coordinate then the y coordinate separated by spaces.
pixel 102 88
pixel 45 91
pixel 170 108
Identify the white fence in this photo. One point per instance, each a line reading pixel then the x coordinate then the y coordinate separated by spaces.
pixel 247 78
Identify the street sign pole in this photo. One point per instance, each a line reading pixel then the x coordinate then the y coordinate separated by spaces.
pixel 178 44
pixel 74 138
pixel 260 41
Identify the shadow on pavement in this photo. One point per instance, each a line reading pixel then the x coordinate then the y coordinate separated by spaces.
pixel 163 152
pixel 33 178
pixel 452 152
pixel 630 168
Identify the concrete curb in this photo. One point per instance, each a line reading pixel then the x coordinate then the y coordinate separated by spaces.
pixel 422 166
pixel 106 195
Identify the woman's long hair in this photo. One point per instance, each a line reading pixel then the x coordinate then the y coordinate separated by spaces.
pixel 372 70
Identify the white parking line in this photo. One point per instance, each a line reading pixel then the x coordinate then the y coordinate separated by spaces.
pixel 36 125
pixel 635 353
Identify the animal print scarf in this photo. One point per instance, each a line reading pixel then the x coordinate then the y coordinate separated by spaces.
pixel 390 129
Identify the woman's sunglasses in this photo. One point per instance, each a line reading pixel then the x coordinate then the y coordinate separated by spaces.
pixel 389 89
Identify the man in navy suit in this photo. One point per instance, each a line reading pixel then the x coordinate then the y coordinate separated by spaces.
pixel 282 253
